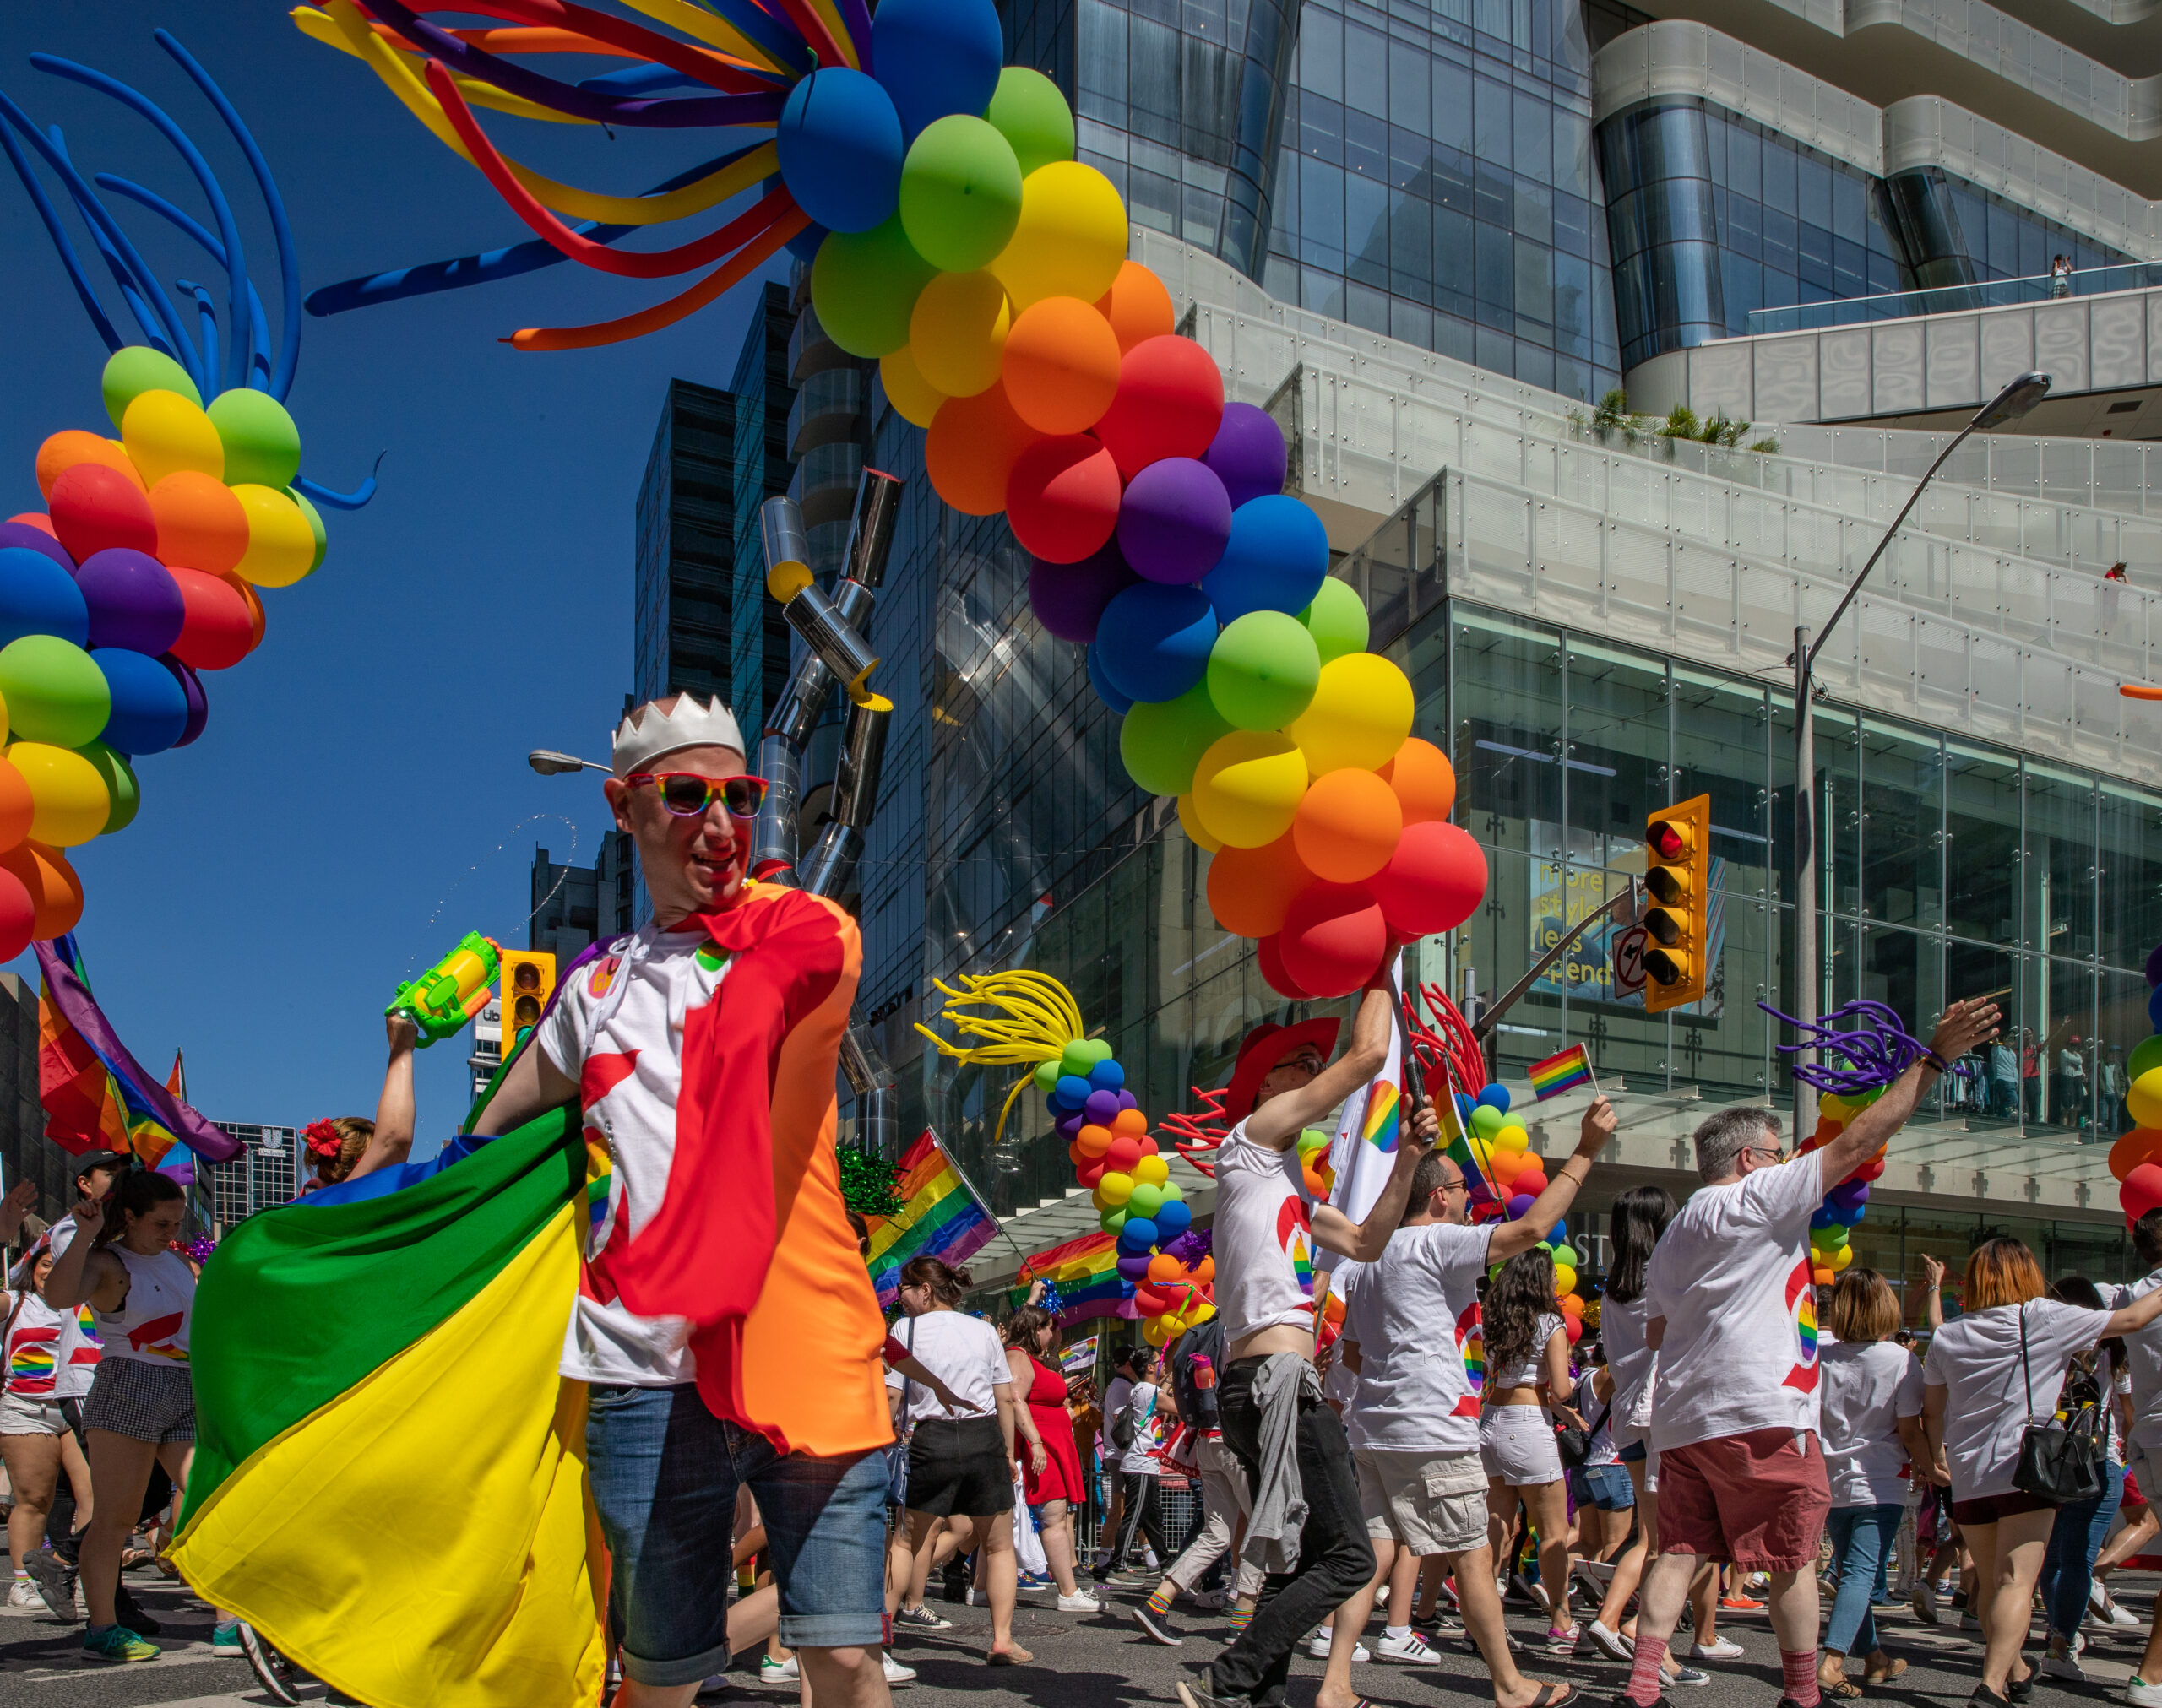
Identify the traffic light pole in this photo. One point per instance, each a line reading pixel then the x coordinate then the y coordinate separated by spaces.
pixel 1483 1027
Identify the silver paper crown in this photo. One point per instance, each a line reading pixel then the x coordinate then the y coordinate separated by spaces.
pixel 647 733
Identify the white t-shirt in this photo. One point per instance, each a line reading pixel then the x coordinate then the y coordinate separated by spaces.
pixel 1975 1359
pixel 629 1073
pixel 1530 1371
pixel 1145 1452
pixel 963 1352
pixel 1263 1244
pixel 50 1354
pixel 1628 1362
pixel 1865 1387
pixel 1731 1277
pixel 2144 1364
pixel 1410 1312
pixel 62 1235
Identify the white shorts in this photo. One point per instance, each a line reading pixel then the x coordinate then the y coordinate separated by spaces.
pixel 1516 1443
pixel 20 1415
pixel 1431 1502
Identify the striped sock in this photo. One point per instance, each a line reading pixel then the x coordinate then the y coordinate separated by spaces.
pixel 1241 1616
pixel 1645 1677
pixel 1798 1673
pixel 1160 1602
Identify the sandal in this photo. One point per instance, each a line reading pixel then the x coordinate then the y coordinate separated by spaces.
pixel 1840 1690
pixel 1892 1668
pixel 1549 1696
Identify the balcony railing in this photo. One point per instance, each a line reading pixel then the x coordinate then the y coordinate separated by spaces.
pixel 1952 298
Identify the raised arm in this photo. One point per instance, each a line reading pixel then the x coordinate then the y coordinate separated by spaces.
pixel 1364 1241
pixel 83 1275
pixel 1276 1123
pixel 1933 1292
pixel 532 1088
pixel 2134 1316
pixel 1532 1227
pixel 392 1142
pixel 1964 1025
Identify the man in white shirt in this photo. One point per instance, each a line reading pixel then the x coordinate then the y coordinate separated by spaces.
pixel 1732 1315
pixel 1130 1407
pixel 2143 1451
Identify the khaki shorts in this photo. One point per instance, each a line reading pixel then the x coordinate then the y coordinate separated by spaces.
pixel 1428 1502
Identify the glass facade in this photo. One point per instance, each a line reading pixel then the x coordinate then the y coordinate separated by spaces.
pixel 758 646
pixel 686 546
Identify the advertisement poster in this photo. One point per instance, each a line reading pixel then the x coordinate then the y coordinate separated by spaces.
pixel 1563 891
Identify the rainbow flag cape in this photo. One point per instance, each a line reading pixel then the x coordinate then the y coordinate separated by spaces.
pixel 96 1096
pixel 1086 1273
pixel 940 1218
pixel 1561 1072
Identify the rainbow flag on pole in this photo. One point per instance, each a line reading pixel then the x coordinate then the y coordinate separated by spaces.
pixel 1086 1272
pixel 939 1218
pixel 1566 1072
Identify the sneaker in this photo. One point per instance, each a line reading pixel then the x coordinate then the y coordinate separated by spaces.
pixel 1154 1627
pixel 1719 1649
pixel 224 1638
pixel 773 1672
pixel 1523 1589
pixel 1740 1604
pixel 920 1619
pixel 24 1593
pixel 1924 1602
pixel 1032 1580
pixel 2121 1617
pixel 968 1596
pixel 117 1643
pixel 2065 1667
pixel 1968 1621
pixel 1561 1640
pixel 1193 1693
pixel 1624 1700
pixel 1409 1649
pixel 1211 1601
pixel 2141 1695
pixel 1756 1580
pixel 1592 1576
pixel 1081 1602
pixel 896 1674
pixel 1319 1647
pixel 133 1617
pixel 1691 1677
pixel 54 1580
pixel 1611 1644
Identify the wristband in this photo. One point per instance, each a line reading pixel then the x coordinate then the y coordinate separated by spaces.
pixel 1937 1061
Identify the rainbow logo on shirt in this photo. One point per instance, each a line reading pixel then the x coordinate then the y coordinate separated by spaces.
pixel 1471 1343
pixel 1384 1104
pixel 30 1369
pixel 1292 1229
pixel 1801 1301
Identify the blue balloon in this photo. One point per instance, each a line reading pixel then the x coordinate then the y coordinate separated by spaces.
pixel 1496 1096
pixel 1110 696
pixel 1464 1105
pixel 2153 1005
pixel 150 708
pixel 38 597
pixel 1560 1236
pixel 841 149
pixel 936 56
pixel 1824 1218
pixel 1173 1218
pixel 1072 1090
pixel 804 245
pixel 1138 1234
pixel 1154 641
pixel 1275 560
pixel 1107 1075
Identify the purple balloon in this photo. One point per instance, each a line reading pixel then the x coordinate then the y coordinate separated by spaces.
pixel 1069 598
pixel 1102 1106
pixel 1174 520
pixel 37 539
pixel 134 601
pixel 1518 1205
pixel 1135 1269
pixel 199 702
pixel 1069 1126
pixel 1247 453
pixel 1126 1100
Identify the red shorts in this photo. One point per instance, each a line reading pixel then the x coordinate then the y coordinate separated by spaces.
pixel 1757 1499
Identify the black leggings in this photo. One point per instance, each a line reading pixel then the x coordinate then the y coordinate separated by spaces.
pixel 1144 1511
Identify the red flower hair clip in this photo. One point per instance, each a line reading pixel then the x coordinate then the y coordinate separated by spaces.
pixel 323 1140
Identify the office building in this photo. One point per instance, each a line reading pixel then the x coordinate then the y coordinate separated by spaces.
pixel 25 1152
pixel 1481 218
pixel 574 906
pixel 268 1172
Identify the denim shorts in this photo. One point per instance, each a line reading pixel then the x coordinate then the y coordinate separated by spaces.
pixel 665 1475
pixel 1607 1487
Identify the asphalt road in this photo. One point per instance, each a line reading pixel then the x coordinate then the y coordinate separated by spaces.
pixel 1095 1662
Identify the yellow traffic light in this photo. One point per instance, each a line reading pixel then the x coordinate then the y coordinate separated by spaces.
pixel 1677 869
pixel 528 980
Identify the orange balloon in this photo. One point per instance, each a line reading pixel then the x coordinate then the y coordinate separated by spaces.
pixel 16 807
pixel 1061 365
pixel 1249 887
pixel 971 448
pixel 1346 826
pixel 1163 1268
pixel 1423 778
pixel 2140 1145
pixel 1572 1306
pixel 201 524
pixel 1093 1139
pixel 56 892
pixel 1131 1122
pixel 71 446
pixel 1137 305
pixel 1506 1165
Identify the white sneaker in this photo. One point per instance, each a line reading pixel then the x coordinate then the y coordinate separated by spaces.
pixel 1923 1600
pixel 1381 1597
pixel 1719 1649
pixel 971 1599
pixel 1535 1593
pixel 773 1672
pixel 1319 1647
pixel 1756 1582
pixel 1081 1602
pixel 896 1674
pixel 1410 1649
pixel 2121 1617
pixel 1611 1644
pixel 24 1594
pixel 1690 1676
pixel 2142 1695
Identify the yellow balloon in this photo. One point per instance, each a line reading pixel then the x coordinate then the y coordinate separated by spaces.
pixel 1359 717
pixel 1197 832
pixel 1842 1258
pixel 2144 1099
pixel 163 433
pixel 913 398
pixel 957 333
pixel 1072 238
pixel 70 803
pixel 280 544
pixel 1834 1107
pixel 1248 785
pixel 1564 1281
pixel 1152 1171
pixel 1114 1189
pixel 1199 1312
pixel 1512 1139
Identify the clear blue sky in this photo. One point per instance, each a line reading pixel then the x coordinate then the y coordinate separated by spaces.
pixel 281 875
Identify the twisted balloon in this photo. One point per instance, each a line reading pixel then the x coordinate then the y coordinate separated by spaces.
pixel 1876 1052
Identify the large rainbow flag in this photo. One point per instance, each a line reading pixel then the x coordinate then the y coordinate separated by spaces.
pixel 1086 1273
pixel 939 1218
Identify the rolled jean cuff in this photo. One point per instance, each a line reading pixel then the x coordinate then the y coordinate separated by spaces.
pixel 831 1631
pixel 691 1669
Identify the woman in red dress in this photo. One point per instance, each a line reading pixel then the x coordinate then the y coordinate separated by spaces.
pixel 1050 1464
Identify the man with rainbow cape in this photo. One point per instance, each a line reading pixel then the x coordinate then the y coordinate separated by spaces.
pixel 454 1415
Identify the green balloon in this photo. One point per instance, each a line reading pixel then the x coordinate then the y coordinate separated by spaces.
pixel 1487 1120
pixel 1161 741
pixel 1112 1220
pixel 1173 1192
pixel 1828 1239
pixel 1033 116
pixel 120 783
pixel 1263 670
pixel 1145 1200
pixel 1075 1059
pixel 960 193
pixel 1337 619
pixel 54 690
pixel 262 446
pixel 1566 1255
pixel 1047 1077
pixel 315 526
pixel 864 285
pixel 130 372
pixel 1313 1139
pixel 2147 1053
pixel 1093 1050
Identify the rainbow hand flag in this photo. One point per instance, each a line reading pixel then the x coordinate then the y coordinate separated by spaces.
pixel 1563 1072
pixel 1456 1142
pixel 939 1218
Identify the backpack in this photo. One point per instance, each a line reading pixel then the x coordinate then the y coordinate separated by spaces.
pixel 1119 1431
pixel 1197 1404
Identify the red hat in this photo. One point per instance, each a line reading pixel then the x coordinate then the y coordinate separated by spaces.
pixel 1265 1046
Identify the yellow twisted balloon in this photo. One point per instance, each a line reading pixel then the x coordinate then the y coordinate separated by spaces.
pixel 1033 1018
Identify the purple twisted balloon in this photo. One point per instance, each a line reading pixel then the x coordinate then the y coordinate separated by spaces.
pixel 1877 1051
pixel 1190 1247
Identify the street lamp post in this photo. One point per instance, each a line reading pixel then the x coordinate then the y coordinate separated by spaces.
pixel 2017 397
pixel 553 764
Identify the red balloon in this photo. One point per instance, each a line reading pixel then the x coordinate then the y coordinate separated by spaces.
pixel 971 448
pixel 1573 1327
pixel 1170 403
pixel 1433 882
pixel 2142 1191
pixel 218 629
pixel 1124 1154
pixel 1088 1172
pixel 1249 887
pixel 1531 1183
pixel 1269 953
pixel 1062 499
pixel 1149 1301
pixel 18 916
pixel 1333 937
pixel 94 508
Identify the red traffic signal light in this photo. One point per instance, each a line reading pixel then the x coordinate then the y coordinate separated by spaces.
pixel 1677 872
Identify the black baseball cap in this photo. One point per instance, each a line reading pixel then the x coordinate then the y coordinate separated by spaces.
pixel 90 1160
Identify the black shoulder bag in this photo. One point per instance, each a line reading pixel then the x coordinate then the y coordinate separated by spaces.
pixel 2056 1464
pixel 1574 1445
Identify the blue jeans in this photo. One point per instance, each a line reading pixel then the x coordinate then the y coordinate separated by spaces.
pixel 1861 1546
pixel 665 1474
pixel 2068 1568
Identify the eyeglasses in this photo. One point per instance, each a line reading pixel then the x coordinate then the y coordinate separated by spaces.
pixel 1772 1151
pixel 687 794
pixel 1456 1185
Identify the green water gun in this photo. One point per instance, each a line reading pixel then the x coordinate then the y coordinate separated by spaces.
pixel 446 998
